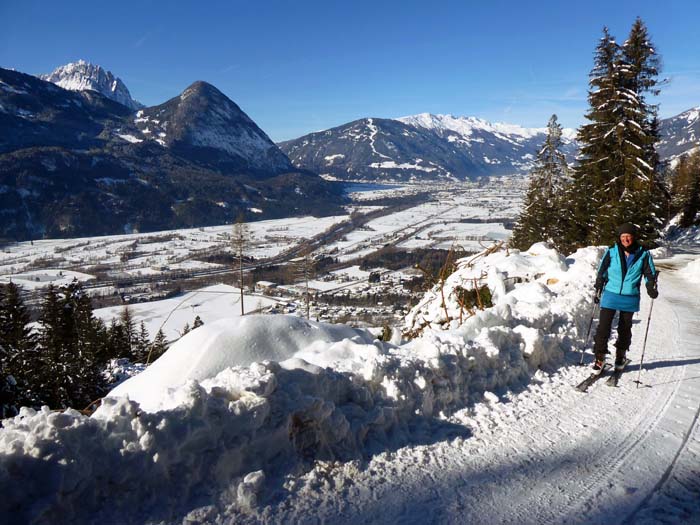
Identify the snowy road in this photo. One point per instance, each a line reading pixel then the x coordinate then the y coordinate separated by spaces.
pixel 548 454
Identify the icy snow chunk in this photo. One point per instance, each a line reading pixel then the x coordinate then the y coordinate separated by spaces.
pixel 249 489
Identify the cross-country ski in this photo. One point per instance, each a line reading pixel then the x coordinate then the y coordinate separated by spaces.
pixel 617 373
pixel 584 385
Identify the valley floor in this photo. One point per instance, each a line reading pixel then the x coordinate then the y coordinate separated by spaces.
pixel 549 454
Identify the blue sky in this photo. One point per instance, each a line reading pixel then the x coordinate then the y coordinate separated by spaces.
pixel 297 67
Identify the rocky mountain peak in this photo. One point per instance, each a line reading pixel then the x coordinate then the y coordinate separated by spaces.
pixel 204 122
pixel 84 76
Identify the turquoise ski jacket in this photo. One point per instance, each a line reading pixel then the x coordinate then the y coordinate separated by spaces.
pixel 622 277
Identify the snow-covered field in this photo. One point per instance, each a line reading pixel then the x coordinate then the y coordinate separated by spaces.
pixel 282 420
pixel 439 223
pixel 210 304
pixel 42 278
pixel 154 252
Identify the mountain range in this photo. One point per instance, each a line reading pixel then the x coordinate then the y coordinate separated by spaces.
pixel 421 147
pixel 79 156
pixel 444 147
pixel 77 162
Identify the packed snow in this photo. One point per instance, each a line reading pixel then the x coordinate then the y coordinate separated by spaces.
pixel 691 271
pixel 237 406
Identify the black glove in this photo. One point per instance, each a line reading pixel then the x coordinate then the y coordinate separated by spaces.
pixel 599 285
pixel 652 289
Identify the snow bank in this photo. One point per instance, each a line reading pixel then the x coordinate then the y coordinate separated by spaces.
pixel 240 341
pixel 202 426
pixel 500 272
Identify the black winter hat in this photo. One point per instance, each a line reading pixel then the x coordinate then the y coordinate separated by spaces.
pixel 627 227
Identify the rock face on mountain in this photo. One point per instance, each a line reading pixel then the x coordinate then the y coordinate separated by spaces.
pixel 202 123
pixel 679 134
pixel 420 147
pixel 83 76
pixel 76 163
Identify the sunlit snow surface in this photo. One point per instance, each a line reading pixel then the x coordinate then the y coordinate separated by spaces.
pixel 210 304
pixel 195 398
pixel 273 419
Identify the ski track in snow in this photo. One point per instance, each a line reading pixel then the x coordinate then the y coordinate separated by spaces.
pixel 551 455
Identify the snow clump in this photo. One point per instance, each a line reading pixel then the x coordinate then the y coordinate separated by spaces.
pixel 237 405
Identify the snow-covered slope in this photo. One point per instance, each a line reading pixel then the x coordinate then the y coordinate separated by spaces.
pixel 679 134
pixel 206 426
pixel 83 76
pixel 473 421
pixel 421 147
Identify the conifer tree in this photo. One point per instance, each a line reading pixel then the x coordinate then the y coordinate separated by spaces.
pixel 8 386
pixel 645 200
pixel 17 347
pixel 596 183
pixel 542 207
pixel 69 371
pixel 126 320
pixel 158 347
pixel 14 319
pixel 142 344
pixel 617 178
pixel 52 343
pixel 118 343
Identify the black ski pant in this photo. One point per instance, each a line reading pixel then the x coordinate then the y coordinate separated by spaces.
pixel 624 333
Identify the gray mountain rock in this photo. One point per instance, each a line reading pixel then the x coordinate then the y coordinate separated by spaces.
pixel 83 76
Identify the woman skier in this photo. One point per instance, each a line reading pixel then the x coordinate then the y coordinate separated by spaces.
pixel 619 276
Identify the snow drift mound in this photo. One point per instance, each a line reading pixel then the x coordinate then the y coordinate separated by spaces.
pixel 239 341
pixel 480 281
pixel 207 431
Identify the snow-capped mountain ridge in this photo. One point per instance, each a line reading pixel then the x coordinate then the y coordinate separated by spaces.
pixel 466 126
pixel 84 76
pixel 422 147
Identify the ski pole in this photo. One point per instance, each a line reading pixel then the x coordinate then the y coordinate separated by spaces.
pixel 590 325
pixel 644 345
